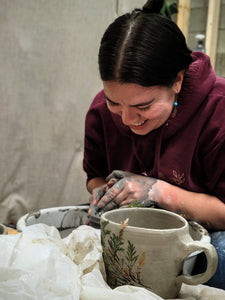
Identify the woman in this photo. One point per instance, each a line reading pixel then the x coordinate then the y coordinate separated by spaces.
pixel 160 122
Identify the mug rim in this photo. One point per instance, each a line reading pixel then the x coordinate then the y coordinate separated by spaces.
pixel 157 210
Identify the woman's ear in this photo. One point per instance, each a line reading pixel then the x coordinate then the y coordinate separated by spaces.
pixel 178 83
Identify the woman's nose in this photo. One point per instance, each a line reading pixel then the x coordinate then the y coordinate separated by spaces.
pixel 128 115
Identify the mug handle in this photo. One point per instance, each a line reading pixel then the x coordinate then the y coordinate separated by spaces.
pixel 212 261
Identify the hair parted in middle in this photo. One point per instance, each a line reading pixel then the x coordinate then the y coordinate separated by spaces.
pixel 143 47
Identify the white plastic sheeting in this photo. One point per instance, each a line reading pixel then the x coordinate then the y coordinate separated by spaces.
pixel 38 264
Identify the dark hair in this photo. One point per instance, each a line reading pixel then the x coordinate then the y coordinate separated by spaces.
pixel 143 47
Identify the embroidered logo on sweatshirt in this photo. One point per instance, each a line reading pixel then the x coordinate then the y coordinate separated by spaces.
pixel 178 178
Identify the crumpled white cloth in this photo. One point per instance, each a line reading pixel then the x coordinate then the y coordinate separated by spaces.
pixel 38 264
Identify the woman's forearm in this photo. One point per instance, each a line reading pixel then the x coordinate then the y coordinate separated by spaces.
pixel 205 209
pixel 95 182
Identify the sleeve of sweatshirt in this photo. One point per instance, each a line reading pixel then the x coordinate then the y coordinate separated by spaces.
pixel 94 161
pixel 214 163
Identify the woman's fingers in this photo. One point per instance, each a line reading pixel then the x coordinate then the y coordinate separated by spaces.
pixel 108 197
pixel 118 174
pixel 116 196
pixel 98 193
pixel 89 212
pixel 95 198
pixel 109 206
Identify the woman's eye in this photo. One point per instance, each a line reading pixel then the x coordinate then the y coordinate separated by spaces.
pixel 112 103
pixel 144 108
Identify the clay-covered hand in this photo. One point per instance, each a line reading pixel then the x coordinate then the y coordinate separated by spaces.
pixel 128 188
pixel 97 194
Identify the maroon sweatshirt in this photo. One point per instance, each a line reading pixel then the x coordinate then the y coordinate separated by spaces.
pixel 187 151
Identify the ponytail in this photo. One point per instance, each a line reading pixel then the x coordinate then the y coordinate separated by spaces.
pixel 153 6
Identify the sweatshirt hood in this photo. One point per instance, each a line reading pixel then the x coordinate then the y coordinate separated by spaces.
pixel 198 81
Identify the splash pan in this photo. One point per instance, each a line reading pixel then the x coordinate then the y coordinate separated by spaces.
pixel 64 218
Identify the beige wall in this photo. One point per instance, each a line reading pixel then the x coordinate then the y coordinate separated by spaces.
pixel 48 77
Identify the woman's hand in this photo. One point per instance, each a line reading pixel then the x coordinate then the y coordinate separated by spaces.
pixel 124 188
pixel 97 194
pixel 95 197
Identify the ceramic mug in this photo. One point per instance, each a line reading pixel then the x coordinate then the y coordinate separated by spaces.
pixel 147 247
pixel 3 229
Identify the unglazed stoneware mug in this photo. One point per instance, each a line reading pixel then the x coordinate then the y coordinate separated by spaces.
pixel 147 247
pixel 3 229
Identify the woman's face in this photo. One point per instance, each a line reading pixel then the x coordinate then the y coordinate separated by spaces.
pixel 142 109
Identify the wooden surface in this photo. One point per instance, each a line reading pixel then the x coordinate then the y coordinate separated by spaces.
pixel 212 29
pixel 183 16
pixel 12 230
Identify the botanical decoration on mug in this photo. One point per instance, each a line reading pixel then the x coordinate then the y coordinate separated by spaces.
pixel 121 271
